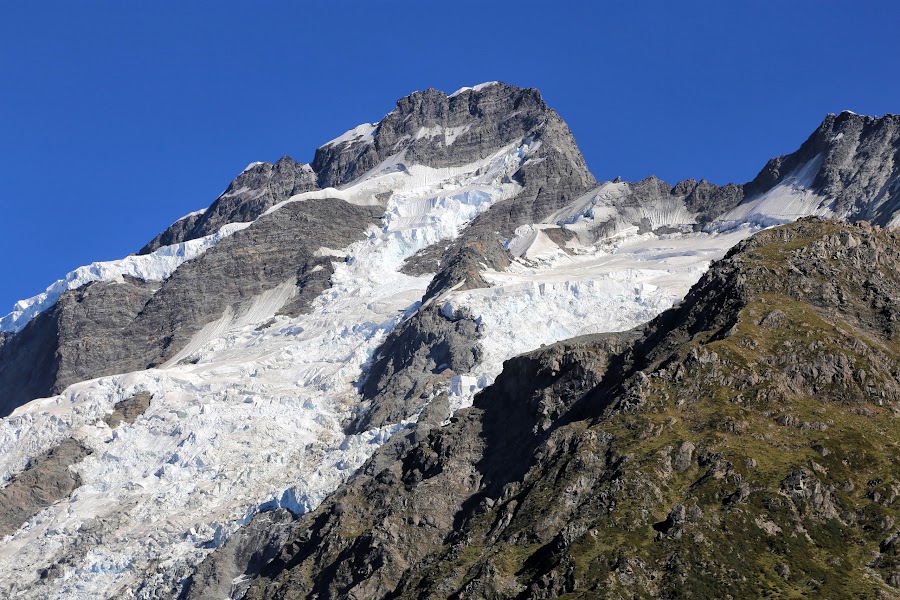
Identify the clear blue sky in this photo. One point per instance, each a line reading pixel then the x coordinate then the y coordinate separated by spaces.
pixel 118 117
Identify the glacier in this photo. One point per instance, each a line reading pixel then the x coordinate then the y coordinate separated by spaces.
pixel 245 418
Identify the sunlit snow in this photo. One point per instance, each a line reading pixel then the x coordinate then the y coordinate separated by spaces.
pixel 243 419
pixel 548 295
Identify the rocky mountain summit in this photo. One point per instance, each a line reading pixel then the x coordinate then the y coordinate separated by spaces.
pixel 442 360
pixel 153 321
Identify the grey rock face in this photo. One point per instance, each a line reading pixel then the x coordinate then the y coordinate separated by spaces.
pixel 572 447
pixel 426 350
pixel 82 336
pixel 708 200
pixel 651 205
pixel 271 251
pixel 45 480
pixel 145 328
pixel 243 555
pixel 436 130
pixel 418 488
pixel 127 411
pixel 854 168
pixel 439 131
pixel 27 363
pixel 179 231
pixel 860 166
pixel 554 178
pixel 404 365
pixel 252 193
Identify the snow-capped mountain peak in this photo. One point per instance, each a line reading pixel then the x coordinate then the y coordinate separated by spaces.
pixel 256 353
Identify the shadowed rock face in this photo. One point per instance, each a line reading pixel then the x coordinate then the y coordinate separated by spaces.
pixel 730 446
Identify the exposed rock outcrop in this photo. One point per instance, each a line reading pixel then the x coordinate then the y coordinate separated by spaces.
pixel 739 445
pixel 859 170
pixel 46 479
pixel 107 328
pixel 128 410
pixel 258 188
pixel 78 338
pixel 427 128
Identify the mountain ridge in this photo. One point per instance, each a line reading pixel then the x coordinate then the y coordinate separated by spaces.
pixel 223 387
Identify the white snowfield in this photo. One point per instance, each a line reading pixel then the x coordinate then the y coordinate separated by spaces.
pixel 474 88
pixel 784 203
pixel 364 132
pixel 244 420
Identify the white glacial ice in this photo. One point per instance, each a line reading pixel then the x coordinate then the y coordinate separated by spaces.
pixel 549 295
pixel 244 419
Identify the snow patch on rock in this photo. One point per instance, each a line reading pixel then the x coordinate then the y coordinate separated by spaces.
pixel 786 202
pixel 364 133
pixel 475 88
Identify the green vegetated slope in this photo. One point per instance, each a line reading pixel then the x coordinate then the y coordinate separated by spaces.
pixel 743 444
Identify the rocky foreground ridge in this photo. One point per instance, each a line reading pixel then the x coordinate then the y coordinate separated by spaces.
pixel 742 444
